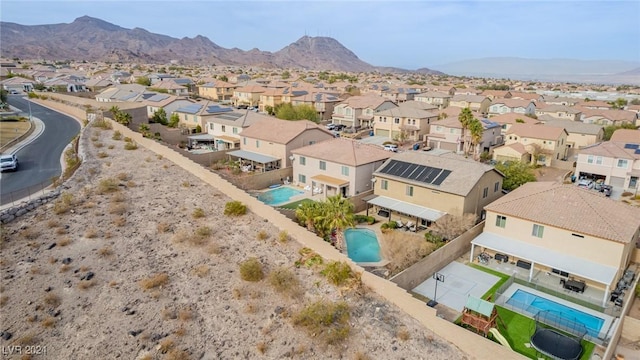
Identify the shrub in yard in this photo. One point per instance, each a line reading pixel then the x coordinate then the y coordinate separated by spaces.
pixel 284 280
pixel 337 272
pixel 198 213
pixel 308 258
pixel 235 208
pixel 251 270
pixel 364 219
pixel 117 135
pixel 130 146
pixel 325 320
pixel 389 225
pixel 154 281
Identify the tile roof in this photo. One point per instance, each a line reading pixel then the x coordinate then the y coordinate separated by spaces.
pixel 626 135
pixel 418 105
pixel 469 98
pixel 365 101
pixel 465 173
pixel 344 151
pixel 611 149
pixel 576 127
pixel 407 111
pixel 556 108
pixel 571 208
pixel 280 131
pixel 510 118
pixel 512 103
pixel 609 114
pixel 539 131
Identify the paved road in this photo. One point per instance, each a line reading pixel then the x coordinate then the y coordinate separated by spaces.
pixel 39 161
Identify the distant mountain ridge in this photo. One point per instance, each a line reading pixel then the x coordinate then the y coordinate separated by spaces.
pixel 91 39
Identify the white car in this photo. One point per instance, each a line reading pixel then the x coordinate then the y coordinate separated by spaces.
pixel 391 147
pixel 8 162
pixel 586 184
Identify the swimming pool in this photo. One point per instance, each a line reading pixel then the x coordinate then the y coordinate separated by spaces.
pixel 362 245
pixel 533 304
pixel 278 195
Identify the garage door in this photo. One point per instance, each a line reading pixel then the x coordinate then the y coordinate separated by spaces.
pixel 382 132
pixel 617 181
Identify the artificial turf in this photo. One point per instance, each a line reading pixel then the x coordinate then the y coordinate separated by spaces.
pixel 294 205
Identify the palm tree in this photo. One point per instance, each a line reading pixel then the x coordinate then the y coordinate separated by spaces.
pixel 307 213
pixel 465 118
pixel 476 130
pixel 338 216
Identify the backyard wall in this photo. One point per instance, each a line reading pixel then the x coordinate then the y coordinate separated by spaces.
pixel 258 180
pixel 472 344
pixel 622 324
pixel 359 204
pixel 425 268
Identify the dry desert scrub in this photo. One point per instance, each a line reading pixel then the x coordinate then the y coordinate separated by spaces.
pixel 325 320
pixel 251 270
pixel 235 208
pixel 155 281
pixel 404 250
pixel 285 281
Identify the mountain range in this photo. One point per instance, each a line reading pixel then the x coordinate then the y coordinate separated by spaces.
pixel 91 39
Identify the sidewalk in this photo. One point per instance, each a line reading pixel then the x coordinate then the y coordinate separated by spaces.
pixel 38 128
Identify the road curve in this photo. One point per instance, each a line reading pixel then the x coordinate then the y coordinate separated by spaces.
pixel 39 161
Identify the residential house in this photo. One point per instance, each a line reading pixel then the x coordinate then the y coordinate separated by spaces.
pixel 403 123
pixel 447 134
pixel 267 143
pixel 563 231
pixel 503 106
pixel 626 135
pixel 157 78
pixel 560 112
pixel 579 134
pixel 167 102
pixel 323 102
pixel 507 119
pixel 609 117
pixel 439 99
pixel 337 166
pixel 477 103
pixel 273 97
pixel 529 96
pixel 358 111
pixel 400 94
pixel 17 83
pixel 124 93
pixel 170 87
pixel 198 114
pixel 225 128
pixel 217 90
pixel 424 186
pixel 448 89
pixel 98 84
pixel 594 105
pixel 247 95
pixel 497 94
pixel 616 163
pixel 560 100
pixel 543 143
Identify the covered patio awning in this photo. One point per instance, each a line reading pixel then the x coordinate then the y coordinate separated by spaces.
pixel 583 268
pixel 227 139
pixel 202 137
pixel 329 180
pixel 407 208
pixel 251 156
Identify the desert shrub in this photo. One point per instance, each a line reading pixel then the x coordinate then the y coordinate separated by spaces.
pixel 434 238
pixel 358 218
pixel 52 300
pixel 284 280
pixel 404 249
pixel 452 226
pixel 154 281
pixel 197 213
pixel 389 225
pixel 117 208
pixel 403 334
pixel 251 270
pixel 108 185
pixel 117 135
pixel 102 124
pixel 283 236
pixel 338 272
pixel 308 258
pixel 325 320
pixel 130 145
pixel 64 203
pixel 235 208
pixel 262 235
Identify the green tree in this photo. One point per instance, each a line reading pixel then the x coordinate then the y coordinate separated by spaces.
pixel 476 131
pixel 285 75
pixel 515 174
pixel 338 217
pixel 609 130
pixel 174 120
pixel 223 78
pixel 465 118
pixel 3 96
pixel 143 80
pixel 160 116
pixel 620 103
pixel 286 111
pixel 307 213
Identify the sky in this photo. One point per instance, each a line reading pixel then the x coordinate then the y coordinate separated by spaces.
pixel 406 34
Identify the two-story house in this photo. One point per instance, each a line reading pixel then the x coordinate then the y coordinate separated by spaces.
pixel 423 186
pixel 608 117
pixel 167 102
pixel 198 114
pixel 358 111
pixel 403 123
pixel 247 95
pixel 617 163
pixel 170 87
pixel 337 166
pixel 507 119
pixel 323 102
pixel 267 143
pixel 477 103
pixel 552 229
pixel 560 112
pixel 400 94
pixel 542 143
pixel 502 106
pixel 217 90
pixel 447 134
pixel 579 133
pixel 439 99
pixel 225 128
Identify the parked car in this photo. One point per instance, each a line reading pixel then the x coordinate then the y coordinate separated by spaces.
pixel 8 162
pixel 586 184
pixel 606 189
pixel 391 147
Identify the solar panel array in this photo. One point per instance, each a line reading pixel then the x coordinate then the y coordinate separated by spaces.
pixel 191 109
pixel 416 172
pixel 230 116
pixel 217 109
pixel 637 151
pixel 631 146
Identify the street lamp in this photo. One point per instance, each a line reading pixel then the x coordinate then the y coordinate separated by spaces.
pixel 29 104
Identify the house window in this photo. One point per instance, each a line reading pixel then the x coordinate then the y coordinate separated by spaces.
pixel 302 179
pixel 496 186
pixel 345 170
pixel 235 130
pixel 590 159
pixel 409 191
pixel 210 126
pixel 501 221
pixel 384 184
pixel 438 128
pixel 257 143
pixel 244 141
pixel 485 192
pixel 396 121
pixel 323 165
pixel 224 128
pixel 599 160
pixel 622 163
pixel 303 160
pixel 538 230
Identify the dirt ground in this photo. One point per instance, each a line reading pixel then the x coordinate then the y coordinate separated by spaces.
pixel 10 130
pixel 136 260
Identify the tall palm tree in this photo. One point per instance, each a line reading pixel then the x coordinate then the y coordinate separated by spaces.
pixel 476 130
pixel 338 217
pixel 307 213
pixel 465 118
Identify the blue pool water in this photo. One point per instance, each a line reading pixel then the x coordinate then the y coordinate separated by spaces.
pixel 362 245
pixel 278 195
pixel 534 303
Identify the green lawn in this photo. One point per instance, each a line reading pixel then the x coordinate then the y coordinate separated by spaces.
pixel 294 205
pixel 490 294
pixel 518 332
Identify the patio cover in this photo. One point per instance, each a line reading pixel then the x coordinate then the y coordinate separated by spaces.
pixel 480 306
pixel 602 274
pixel 228 139
pixel 204 137
pixel 248 155
pixel 324 179
pixel 407 208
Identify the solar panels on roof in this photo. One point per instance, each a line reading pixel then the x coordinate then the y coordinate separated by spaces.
pixel 631 146
pixel 230 116
pixel 416 172
pixel 637 151
pixel 190 109
pixel 158 97
pixel 212 109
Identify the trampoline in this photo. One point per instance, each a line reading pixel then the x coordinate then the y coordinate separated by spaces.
pixel 556 345
pixel 565 345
